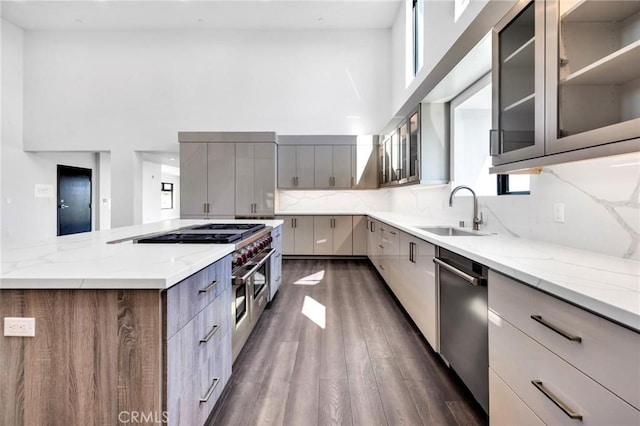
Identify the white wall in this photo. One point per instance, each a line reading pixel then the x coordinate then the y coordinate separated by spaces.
pixel 151 179
pixel 24 216
pixel 133 91
pixel 441 32
pixel 173 213
pixel 104 190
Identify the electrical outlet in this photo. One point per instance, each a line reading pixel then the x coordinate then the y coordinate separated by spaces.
pixel 20 327
pixel 558 212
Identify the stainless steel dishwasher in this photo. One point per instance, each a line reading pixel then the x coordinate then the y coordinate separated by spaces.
pixel 463 321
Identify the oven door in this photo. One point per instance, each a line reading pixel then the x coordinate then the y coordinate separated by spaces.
pixel 248 303
pixel 240 316
pixel 260 282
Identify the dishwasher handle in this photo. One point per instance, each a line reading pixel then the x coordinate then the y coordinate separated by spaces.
pixel 475 281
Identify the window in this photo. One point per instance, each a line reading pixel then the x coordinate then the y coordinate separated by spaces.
pixel 513 184
pixel 417 34
pixel 400 152
pixel 470 124
pixel 166 196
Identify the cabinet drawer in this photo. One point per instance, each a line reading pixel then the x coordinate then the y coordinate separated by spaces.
pixel 204 387
pixel 607 352
pixel 519 360
pixel 190 296
pixel 195 343
pixel 505 408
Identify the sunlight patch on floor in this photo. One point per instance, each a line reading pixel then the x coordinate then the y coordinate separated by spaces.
pixel 315 311
pixel 312 279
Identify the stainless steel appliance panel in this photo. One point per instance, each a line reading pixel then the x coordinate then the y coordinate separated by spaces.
pixel 463 321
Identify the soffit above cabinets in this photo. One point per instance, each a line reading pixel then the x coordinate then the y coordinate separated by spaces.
pixel 200 14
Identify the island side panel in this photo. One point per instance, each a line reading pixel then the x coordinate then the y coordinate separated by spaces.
pixel 96 353
pixel 12 304
pixel 140 352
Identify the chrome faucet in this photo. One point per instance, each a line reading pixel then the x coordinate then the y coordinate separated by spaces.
pixel 476 220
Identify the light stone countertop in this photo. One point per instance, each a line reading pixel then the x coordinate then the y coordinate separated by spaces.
pixel 86 261
pixel 606 285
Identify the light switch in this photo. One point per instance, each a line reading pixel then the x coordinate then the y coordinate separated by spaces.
pixel 558 212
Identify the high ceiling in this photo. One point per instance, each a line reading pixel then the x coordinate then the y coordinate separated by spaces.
pixel 84 15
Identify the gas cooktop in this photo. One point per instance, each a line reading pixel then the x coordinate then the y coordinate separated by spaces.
pixel 185 238
pixel 212 233
pixel 244 229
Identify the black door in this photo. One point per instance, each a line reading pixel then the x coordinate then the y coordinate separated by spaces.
pixel 74 200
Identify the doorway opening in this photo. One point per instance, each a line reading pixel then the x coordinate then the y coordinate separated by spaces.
pixel 74 200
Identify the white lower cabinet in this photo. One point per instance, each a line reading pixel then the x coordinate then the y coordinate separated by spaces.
pixel 332 235
pixel 360 234
pixel 552 356
pixel 297 235
pixel 505 408
pixel 390 255
pixel 417 285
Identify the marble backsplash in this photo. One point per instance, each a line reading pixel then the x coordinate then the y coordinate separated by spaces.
pixel 601 198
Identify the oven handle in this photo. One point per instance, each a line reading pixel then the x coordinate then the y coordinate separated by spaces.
pixel 238 280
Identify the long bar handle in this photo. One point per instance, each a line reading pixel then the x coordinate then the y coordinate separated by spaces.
pixel 209 287
pixel 564 407
pixel 213 386
pixel 552 327
pixel 475 281
pixel 210 334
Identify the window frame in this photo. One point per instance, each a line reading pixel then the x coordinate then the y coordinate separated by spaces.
pixel 417 32
pixel 163 191
pixel 503 187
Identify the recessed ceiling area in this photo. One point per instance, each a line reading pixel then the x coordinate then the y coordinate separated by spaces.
pixel 104 15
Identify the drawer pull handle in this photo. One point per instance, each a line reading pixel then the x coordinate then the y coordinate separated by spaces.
pixel 206 397
pixel 392 232
pixel 209 287
pixel 209 335
pixel 568 411
pixel 538 318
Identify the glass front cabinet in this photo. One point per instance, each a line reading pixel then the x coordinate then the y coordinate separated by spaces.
pixel 566 76
pixel 399 152
pixel 518 85
pixel 593 73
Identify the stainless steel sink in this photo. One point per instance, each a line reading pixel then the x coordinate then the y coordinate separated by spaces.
pixel 448 231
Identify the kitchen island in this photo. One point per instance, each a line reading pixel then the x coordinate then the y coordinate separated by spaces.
pixel 124 333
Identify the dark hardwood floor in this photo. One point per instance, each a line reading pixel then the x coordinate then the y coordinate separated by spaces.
pixel 369 365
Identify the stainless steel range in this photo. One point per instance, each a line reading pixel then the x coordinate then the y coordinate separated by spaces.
pixel 250 268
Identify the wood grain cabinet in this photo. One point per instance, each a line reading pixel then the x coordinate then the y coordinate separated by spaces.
pixel 198 343
pixel 255 179
pixel 562 362
pixel 206 169
pixel 333 235
pixel 99 356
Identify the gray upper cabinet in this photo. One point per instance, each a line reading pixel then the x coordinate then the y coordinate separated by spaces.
pixel 295 166
pixel 255 179
pixel 593 73
pixel 332 166
pixel 205 170
pixel 518 85
pixel 566 82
